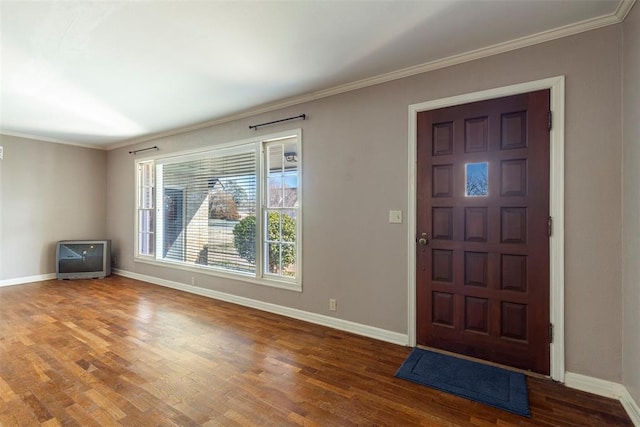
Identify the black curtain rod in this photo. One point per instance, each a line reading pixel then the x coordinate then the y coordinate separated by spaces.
pixel 155 147
pixel 255 127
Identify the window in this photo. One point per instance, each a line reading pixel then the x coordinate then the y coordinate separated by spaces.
pixel 281 210
pixel 225 210
pixel 145 208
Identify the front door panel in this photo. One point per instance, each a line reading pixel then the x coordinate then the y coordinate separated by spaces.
pixel 482 214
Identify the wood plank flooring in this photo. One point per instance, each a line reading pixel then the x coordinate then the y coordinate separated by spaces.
pixel 118 351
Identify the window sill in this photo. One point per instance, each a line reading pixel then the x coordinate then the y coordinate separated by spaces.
pixel 280 284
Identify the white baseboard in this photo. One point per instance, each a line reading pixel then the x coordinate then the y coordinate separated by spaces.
pixel 607 389
pixel 319 319
pixel 29 279
pixel 577 381
pixel 593 385
pixel 631 407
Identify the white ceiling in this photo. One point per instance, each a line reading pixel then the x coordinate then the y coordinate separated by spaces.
pixel 103 73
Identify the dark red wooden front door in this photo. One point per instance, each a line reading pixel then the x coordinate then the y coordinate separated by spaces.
pixel 482 212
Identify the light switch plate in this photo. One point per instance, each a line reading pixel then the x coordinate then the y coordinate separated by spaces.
pixel 395 217
pixel 1 152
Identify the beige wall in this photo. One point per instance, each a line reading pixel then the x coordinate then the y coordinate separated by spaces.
pixel 48 192
pixel 355 171
pixel 631 204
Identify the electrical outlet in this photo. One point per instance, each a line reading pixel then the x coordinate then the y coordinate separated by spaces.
pixel 395 217
pixel 193 280
pixel 1 152
pixel 333 305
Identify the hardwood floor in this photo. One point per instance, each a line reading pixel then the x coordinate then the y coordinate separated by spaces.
pixel 122 352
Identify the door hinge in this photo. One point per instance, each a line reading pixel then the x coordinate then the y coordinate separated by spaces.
pixel 549 120
pixel 550 332
pixel 549 226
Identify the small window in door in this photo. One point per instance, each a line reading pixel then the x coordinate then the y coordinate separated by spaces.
pixel 476 179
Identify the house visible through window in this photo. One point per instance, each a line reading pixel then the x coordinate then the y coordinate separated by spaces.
pixel 229 210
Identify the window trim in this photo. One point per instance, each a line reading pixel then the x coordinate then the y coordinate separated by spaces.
pixel 264 208
pixel 260 278
pixel 138 209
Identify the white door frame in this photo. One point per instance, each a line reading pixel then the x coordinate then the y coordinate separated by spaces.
pixel 556 199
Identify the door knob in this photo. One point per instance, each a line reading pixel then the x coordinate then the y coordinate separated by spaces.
pixel 424 240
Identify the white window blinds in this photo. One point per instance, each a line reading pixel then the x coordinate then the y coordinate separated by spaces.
pixel 226 210
pixel 201 198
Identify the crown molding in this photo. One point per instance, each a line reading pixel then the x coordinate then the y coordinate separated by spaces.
pixel 542 37
pixel 568 30
pixel 53 140
pixel 623 9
